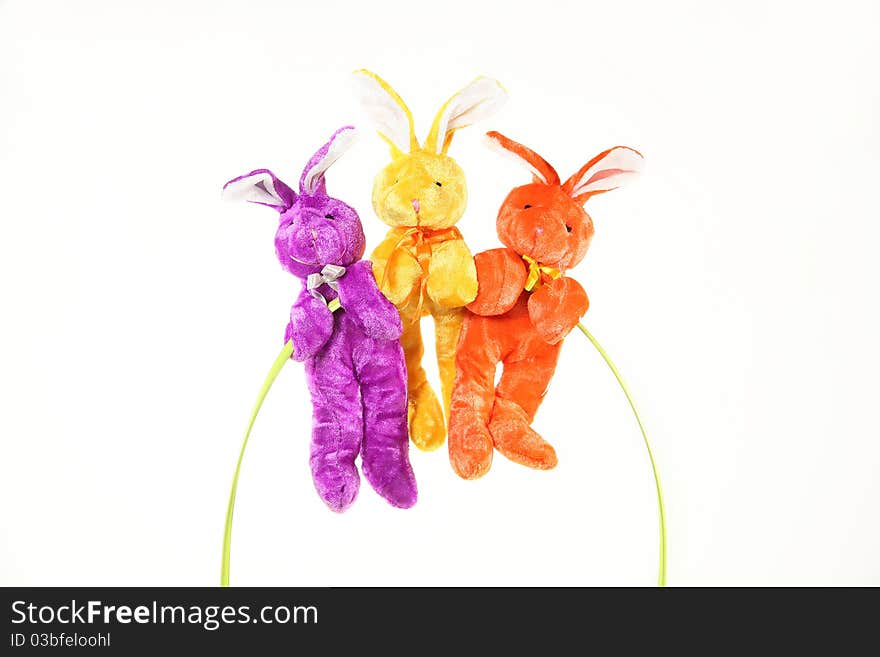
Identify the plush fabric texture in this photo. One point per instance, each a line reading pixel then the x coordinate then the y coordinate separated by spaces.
pixel 353 358
pixel 524 308
pixel 423 265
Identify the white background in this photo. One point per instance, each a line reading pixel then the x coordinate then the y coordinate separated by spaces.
pixel 735 284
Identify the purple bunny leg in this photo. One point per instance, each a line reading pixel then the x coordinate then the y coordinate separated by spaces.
pixel 381 370
pixel 337 424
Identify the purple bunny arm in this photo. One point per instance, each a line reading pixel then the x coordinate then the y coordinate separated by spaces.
pixel 310 327
pixel 361 298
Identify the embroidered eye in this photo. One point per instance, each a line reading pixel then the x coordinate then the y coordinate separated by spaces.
pixel 527 206
pixel 439 184
pixel 329 216
pixel 568 228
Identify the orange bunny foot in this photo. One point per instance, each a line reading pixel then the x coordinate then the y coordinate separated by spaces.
pixel 470 447
pixel 426 425
pixel 515 439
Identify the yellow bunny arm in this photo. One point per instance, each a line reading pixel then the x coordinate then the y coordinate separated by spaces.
pixel 396 270
pixel 452 275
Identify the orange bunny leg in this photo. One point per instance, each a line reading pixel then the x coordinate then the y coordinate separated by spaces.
pixel 517 398
pixel 447 327
pixel 470 443
pixel 426 426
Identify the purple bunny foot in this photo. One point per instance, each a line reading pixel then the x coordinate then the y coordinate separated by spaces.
pixel 337 423
pixel 337 484
pixel 382 373
pixel 344 330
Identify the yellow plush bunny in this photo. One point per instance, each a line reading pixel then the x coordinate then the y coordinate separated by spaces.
pixel 423 265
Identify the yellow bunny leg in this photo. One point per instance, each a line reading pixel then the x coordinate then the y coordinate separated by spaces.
pixel 447 326
pixel 426 426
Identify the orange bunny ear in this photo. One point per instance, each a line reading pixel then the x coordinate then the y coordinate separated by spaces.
pixel 608 170
pixel 540 168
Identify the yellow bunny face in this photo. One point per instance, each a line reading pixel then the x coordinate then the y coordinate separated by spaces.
pixel 420 189
pixel 422 186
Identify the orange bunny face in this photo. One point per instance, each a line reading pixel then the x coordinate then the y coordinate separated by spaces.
pixel 544 222
pixel 545 219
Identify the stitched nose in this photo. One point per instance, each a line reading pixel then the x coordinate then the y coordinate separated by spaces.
pixel 415 204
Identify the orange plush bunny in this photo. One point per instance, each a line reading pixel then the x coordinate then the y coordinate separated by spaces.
pixel 525 306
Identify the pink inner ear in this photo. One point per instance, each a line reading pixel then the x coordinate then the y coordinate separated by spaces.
pixel 608 170
pixel 603 174
pixel 262 187
pixel 312 180
pixel 540 169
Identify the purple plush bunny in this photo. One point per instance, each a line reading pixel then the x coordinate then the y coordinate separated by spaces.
pixel 344 330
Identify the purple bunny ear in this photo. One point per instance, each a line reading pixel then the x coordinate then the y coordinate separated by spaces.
pixel 312 180
pixel 260 186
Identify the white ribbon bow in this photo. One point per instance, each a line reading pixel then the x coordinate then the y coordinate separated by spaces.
pixel 329 275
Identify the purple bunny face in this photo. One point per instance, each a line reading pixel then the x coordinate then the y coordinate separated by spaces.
pixel 314 229
pixel 317 231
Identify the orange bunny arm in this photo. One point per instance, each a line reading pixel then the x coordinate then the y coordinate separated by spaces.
pixel 556 307
pixel 501 276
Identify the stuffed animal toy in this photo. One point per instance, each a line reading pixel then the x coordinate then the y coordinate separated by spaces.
pixel 345 332
pixel 424 266
pixel 524 308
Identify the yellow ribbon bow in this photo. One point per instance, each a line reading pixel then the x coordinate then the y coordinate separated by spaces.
pixel 536 269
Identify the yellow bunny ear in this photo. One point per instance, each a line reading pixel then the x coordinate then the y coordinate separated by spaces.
pixel 478 100
pixel 386 109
